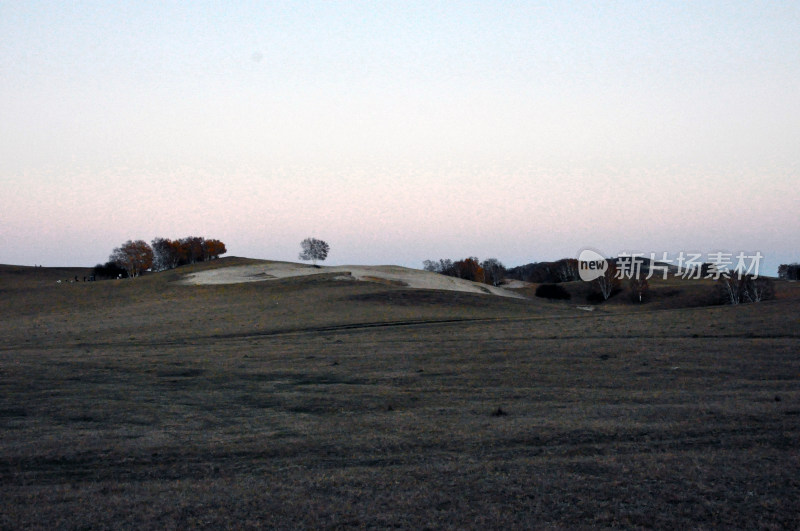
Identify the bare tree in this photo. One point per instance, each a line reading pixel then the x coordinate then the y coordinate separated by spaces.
pixel 639 288
pixel 133 256
pixel 430 265
pixel 608 283
pixel 443 266
pixel 493 271
pixel 738 288
pixel 760 289
pixel 166 254
pixel 446 267
pixel 314 249
pixel 733 288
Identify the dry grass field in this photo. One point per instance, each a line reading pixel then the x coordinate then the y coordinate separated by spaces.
pixel 314 403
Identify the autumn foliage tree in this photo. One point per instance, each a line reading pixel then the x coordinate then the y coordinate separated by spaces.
pixel 191 249
pixel 133 256
pixel 212 249
pixel 470 269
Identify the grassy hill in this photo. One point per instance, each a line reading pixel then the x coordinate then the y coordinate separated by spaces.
pixel 313 402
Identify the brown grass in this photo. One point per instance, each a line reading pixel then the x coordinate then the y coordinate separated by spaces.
pixel 317 403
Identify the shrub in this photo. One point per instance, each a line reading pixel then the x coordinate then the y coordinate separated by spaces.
pixel 552 291
pixel 109 270
pixel 596 297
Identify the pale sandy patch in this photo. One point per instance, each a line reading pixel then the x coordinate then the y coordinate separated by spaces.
pixel 393 275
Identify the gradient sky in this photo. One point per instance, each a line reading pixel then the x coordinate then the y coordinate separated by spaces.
pixel 400 131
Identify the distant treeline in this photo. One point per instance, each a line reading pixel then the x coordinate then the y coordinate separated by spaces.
pixel 492 271
pixel 731 289
pixel 134 257
pixel 564 270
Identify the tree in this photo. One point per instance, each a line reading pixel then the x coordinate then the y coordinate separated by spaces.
pixel 314 249
pixel 444 267
pixel 608 283
pixel 733 288
pixel 133 256
pixel 212 249
pixel 430 265
pixel 493 271
pixel 191 249
pixel 760 289
pixel 639 288
pixel 166 254
pixel 469 269
pixel 789 271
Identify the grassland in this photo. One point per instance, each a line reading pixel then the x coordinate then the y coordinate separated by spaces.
pixel 315 403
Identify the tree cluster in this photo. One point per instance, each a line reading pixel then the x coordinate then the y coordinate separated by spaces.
pixel 564 270
pixel 169 254
pixel 489 271
pixel 789 271
pixel 132 258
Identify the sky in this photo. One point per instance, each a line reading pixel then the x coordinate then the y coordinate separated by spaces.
pixel 400 131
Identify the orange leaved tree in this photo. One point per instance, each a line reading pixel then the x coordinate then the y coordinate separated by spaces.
pixel 133 256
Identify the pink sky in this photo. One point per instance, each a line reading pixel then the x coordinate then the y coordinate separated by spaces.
pixel 400 132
